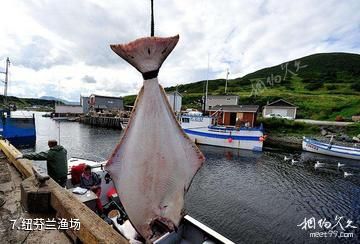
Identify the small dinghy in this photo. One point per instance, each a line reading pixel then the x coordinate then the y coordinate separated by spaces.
pixel 315 146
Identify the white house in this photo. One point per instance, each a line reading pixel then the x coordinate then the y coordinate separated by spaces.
pixel 220 100
pixel 175 100
pixel 280 109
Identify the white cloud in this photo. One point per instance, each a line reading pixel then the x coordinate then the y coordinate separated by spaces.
pixel 53 45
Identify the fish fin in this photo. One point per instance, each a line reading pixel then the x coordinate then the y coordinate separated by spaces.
pixel 201 156
pixel 133 112
pixel 146 54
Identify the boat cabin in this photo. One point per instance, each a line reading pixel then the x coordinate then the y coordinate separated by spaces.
pixel 235 115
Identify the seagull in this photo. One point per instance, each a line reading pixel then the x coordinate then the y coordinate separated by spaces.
pixel 340 165
pixel 346 174
pixel 318 165
pixel 286 158
pixel 293 161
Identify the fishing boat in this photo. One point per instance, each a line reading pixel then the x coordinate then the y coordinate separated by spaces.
pixel 205 130
pixel 312 145
pixel 17 128
pixel 190 230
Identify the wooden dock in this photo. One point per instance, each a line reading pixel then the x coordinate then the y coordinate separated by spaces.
pixel 106 122
pixel 93 228
pixel 12 211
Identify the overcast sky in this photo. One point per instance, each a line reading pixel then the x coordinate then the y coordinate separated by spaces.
pixel 61 48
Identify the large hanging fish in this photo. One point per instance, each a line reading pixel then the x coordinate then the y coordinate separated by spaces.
pixel 154 163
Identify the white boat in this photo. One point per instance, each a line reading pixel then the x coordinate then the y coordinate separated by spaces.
pixel 202 131
pixel 190 230
pixel 315 146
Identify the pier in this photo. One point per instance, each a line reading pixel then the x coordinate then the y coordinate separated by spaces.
pixel 92 228
pixel 106 122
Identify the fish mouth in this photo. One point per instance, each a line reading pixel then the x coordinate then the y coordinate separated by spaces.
pixel 159 226
pixel 146 54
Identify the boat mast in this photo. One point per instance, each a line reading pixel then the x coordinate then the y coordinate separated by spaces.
pixel 6 79
pixel 207 84
pixel 226 81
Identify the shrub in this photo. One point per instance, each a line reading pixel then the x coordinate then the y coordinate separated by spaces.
pixel 339 118
pixel 276 125
pixel 314 86
pixel 331 87
pixel 356 86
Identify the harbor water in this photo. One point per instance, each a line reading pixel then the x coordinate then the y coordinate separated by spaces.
pixel 246 196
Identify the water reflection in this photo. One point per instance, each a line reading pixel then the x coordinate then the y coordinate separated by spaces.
pixel 250 197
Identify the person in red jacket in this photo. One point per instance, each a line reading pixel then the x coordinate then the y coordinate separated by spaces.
pixel 92 181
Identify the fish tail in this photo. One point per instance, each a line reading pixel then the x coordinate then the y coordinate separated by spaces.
pixel 147 54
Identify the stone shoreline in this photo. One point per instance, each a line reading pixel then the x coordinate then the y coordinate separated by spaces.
pixel 295 142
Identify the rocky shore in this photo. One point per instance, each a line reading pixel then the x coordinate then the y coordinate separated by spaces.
pixel 294 142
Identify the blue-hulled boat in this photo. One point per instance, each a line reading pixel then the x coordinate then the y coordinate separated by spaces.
pixel 19 130
pixel 201 130
pixel 315 146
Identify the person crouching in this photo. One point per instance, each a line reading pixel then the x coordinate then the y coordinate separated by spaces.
pixel 92 181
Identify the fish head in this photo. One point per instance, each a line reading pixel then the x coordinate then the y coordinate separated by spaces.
pixel 146 54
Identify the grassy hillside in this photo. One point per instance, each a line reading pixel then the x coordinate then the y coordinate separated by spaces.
pixel 28 102
pixel 323 86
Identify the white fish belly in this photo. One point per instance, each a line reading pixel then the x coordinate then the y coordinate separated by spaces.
pixel 154 163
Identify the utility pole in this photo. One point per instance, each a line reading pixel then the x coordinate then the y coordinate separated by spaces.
pixel 175 93
pixel 207 82
pixel 226 81
pixel 6 79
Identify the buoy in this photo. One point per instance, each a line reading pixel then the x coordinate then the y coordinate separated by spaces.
pixel 230 140
pixel 262 138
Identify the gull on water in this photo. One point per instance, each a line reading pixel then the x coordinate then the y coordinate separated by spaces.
pixel 294 161
pixel 286 158
pixel 318 165
pixel 340 165
pixel 346 174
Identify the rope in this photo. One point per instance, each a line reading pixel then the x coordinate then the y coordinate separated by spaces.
pixel 152 18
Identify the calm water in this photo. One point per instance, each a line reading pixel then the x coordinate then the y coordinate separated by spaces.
pixel 248 197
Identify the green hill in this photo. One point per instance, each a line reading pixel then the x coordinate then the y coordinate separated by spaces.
pixel 22 103
pixel 322 85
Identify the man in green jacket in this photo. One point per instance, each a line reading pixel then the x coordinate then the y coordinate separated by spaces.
pixel 56 160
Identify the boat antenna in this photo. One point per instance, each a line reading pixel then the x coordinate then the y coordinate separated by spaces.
pixel 152 18
pixel 207 82
pixel 58 103
pixel 59 132
pixel 6 79
pixel 226 81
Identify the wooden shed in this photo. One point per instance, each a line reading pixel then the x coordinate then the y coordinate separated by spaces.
pixel 235 115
